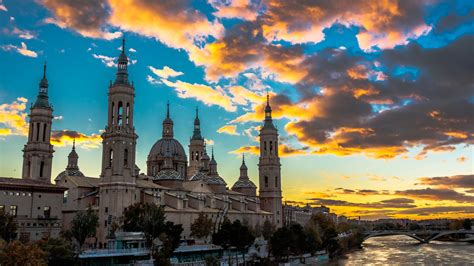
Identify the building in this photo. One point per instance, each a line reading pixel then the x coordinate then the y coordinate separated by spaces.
pixel 35 203
pixel 184 188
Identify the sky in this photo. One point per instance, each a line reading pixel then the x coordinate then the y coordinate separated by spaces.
pixel 373 100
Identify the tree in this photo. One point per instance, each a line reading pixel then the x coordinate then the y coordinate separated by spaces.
pixel 466 224
pixel 147 218
pixel 223 236
pixel 280 243
pixel 201 227
pixel 8 227
pixel 313 240
pixel 241 237
pixel 58 251
pixel 267 230
pixel 84 225
pixel 16 253
pixel 170 238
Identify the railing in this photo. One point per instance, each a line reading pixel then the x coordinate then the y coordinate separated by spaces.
pixel 114 252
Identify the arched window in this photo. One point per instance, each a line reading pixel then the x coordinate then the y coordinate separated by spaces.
pixel 197 156
pixel 113 113
pixel 111 157
pixel 32 131
pixel 264 148
pixel 125 158
pixel 37 131
pixel 266 181
pixel 120 113
pixel 128 113
pixel 41 169
pixel 29 168
pixel 44 132
pixel 276 181
pixel 271 147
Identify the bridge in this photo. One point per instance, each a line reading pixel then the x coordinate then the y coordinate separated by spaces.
pixel 428 236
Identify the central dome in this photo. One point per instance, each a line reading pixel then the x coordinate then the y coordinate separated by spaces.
pixel 161 147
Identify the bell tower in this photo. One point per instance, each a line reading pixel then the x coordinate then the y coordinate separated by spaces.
pixel 117 184
pixel 38 151
pixel 269 168
pixel 196 148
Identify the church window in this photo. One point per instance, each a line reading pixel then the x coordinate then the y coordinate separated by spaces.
pixel 264 148
pixel 111 157
pixel 32 131
pixel 197 156
pixel 13 210
pixel 120 113
pixel 29 168
pixel 125 158
pixel 128 113
pixel 37 131
pixel 266 181
pixel 276 181
pixel 41 169
pixel 271 147
pixel 113 113
pixel 44 132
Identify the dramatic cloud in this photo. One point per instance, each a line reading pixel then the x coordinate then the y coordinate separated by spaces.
pixel 13 118
pixel 23 49
pixel 436 194
pixel 284 150
pixel 457 210
pixel 243 9
pixel 362 192
pixel 89 18
pixel 2 7
pixel 175 23
pixel 383 23
pixel 62 138
pixel 458 181
pixel 228 129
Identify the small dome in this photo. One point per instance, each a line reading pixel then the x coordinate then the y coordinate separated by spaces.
pixel 216 180
pixel 199 176
pixel 168 174
pixel 68 173
pixel 161 146
pixel 244 183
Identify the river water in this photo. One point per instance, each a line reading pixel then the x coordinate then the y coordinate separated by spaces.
pixel 402 250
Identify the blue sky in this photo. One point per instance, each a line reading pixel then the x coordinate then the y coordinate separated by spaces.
pixel 367 96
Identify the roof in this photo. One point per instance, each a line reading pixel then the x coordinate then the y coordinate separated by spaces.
pixel 168 174
pixel 9 182
pixel 195 186
pixel 84 181
pixel 144 181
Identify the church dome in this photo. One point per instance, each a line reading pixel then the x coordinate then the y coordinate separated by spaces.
pixel 244 183
pixel 216 180
pixel 199 176
pixel 161 146
pixel 69 172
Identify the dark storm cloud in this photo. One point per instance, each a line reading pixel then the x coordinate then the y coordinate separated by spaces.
pixel 433 110
pixel 390 203
pixel 439 210
pixel 459 181
pixel 435 194
pixel 86 17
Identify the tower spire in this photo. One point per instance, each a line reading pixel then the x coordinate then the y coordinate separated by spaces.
pixel 74 144
pixel 168 109
pixel 167 123
pixel 122 64
pixel 42 98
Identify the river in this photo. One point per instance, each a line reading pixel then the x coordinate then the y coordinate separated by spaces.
pixel 402 250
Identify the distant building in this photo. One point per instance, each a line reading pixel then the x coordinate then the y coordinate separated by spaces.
pixel 301 215
pixel 35 203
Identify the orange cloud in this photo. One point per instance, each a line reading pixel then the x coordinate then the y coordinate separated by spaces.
pixel 228 129
pixel 61 138
pixel 283 150
pixel 13 118
pixel 244 9
pixel 162 20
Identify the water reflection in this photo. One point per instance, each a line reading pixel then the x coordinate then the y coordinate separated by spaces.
pixel 402 250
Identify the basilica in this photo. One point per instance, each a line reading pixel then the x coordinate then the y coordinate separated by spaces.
pixel 185 184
